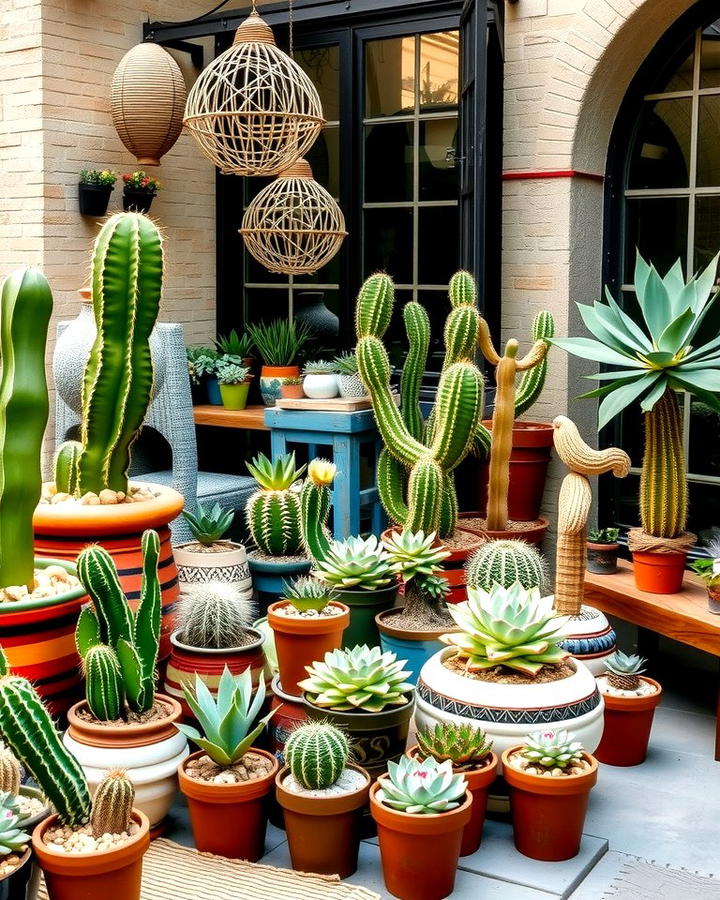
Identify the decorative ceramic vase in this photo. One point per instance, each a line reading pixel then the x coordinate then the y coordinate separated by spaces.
pixel 72 350
pixel 312 310
pixel 590 638
pixel 271 380
pixel 320 387
pixel 351 387
pixel 229 565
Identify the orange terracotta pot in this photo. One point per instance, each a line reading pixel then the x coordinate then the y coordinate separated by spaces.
pixel 534 535
pixel 110 875
pixel 300 642
pixel 62 532
pixel 659 573
pixel 479 783
pixel 271 380
pixel 323 832
pixel 548 814
pixel 95 735
pixel 229 819
pixel 628 722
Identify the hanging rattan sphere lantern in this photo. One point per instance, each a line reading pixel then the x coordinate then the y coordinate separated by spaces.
pixel 293 226
pixel 147 102
pixel 253 111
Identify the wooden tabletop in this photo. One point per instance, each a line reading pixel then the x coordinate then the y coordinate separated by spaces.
pixel 252 417
pixel 683 617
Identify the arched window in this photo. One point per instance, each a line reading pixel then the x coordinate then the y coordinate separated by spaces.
pixel 664 198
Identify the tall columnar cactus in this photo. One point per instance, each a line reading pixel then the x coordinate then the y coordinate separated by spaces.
pixel 132 639
pixel 425 454
pixel 112 804
pixel 504 563
pixel 127 270
pixel 25 307
pixel 67 461
pixel 104 687
pixel 663 485
pixel 28 729
pixel 315 503
pixel 273 511
pixel 317 754
pixel 533 380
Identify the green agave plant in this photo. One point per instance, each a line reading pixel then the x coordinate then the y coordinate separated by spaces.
pixel 209 524
pixel 421 788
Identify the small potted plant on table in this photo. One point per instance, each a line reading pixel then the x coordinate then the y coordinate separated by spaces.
pixel 292 389
pixel 709 571
pixel 322 795
pixel 550 778
pixel 320 380
pixel 421 809
pixel 138 191
pixel 237 346
pixel 279 344
pixel 94 191
pixel 227 782
pixel 209 557
pixel 234 381
pixel 602 551
pixel 630 701
pixel 349 380
pixel 201 363
pixel 470 753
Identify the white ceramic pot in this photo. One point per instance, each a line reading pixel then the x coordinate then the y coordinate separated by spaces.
pixel 351 386
pixel 320 387
pixel 151 768
pixel 509 712
pixel 590 638
pixel 229 566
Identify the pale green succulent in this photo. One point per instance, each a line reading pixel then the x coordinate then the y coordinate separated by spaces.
pixel 512 627
pixel 552 749
pixel 362 678
pixel 308 593
pixel 320 367
pixel 414 554
pixel 460 742
pixel 624 670
pixel 12 838
pixel 356 564
pixel 421 788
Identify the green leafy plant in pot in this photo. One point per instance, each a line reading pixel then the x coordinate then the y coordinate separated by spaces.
pixel 210 556
pixel 602 550
pixel 279 344
pixel 94 189
pixel 234 381
pixel 709 571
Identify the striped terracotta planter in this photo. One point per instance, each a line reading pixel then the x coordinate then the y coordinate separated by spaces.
pixel 38 637
pixel 62 532
pixel 209 664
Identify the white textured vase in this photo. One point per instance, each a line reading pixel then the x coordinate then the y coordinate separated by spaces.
pixel 229 566
pixel 590 638
pixel 320 387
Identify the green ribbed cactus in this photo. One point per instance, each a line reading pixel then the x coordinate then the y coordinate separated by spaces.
pixel 273 511
pixel 10 774
pixel 127 270
pixel 104 688
pixel 315 504
pixel 66 467
pixel 112 804
pixel 663 484
pixel 25 307
pixel 533 380
pixel 504 563
pixel 132 639
pixel 425 455
pixel 27 728
pixel 317 754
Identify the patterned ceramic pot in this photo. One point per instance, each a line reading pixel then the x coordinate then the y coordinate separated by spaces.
pixel 272 378
pixel 508 712
pixel 351 386
pixel 229 566
pixel 590 638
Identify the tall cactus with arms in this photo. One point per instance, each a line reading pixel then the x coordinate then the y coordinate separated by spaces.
pixel 25 308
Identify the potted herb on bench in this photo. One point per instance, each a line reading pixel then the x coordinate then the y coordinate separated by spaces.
pixel 94 191
pixel 602 551
pixel 234 381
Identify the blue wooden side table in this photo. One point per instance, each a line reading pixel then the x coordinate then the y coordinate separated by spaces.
pixel 345 432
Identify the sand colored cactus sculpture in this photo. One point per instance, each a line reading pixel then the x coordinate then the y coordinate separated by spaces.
pixel 112 804
pixel 10 772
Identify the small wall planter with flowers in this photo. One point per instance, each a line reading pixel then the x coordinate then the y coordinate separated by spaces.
pixel 138 191
pixel 94 189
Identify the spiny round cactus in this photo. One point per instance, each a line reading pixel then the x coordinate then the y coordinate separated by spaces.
pixel 317 754
pixel 308 593
pixel 214 616
pixel 10 771
pixel 12 838
pixel 552 749
pixel 421 788
pixel 462 743
pixel 273 511
pixel 624 670
pixel 505 562
pixel 112 804
pixel 356 564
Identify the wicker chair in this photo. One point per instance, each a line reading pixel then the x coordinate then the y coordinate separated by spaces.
pixel 170 415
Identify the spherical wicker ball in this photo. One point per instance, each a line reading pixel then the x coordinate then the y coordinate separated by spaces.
pixel 147 102
pixel 253 111
pixel 293 226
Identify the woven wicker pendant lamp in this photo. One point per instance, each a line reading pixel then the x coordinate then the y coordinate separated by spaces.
pixel 293 226
pixel 253 111
pixel 147 102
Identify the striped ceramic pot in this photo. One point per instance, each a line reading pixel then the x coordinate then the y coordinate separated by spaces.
pixel 228 565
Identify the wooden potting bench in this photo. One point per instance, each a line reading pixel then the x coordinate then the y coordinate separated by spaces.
pixel 683 617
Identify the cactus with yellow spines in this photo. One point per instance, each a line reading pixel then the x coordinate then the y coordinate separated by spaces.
pixel 574 505
pixel 112 804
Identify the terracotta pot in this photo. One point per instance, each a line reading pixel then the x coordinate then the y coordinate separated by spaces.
pixel 628 722
pixel 602 558
pixel 713 601
pixel 229 819
pixel 290 712
pixel 548 814
pixel 415 646
pixel 292 391
pixel 62 532
pixel 533 534
pixel 590 638
pixel 659 573
pixel 271 380
pixel 479 782
pixel 151 754
pixel 531 448
pixel 229 565
pixel 323 832
pixel 419 853
pixel 113 874
pixel 300 641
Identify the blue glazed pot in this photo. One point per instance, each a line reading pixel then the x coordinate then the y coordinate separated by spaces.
pixel 270 576
pixel 415 646
pixel 213 390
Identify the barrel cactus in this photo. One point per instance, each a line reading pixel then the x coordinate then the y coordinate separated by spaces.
pixel 112 804
pixel 273 511
pixel 10 771
pixel 317 754
pixel 505 562
pixel 214 616
pixel 25 307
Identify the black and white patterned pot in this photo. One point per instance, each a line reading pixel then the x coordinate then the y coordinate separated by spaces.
pixel 229 566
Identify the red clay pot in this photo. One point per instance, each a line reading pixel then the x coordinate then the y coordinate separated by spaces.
pixel 300 642
pixel 659 573
pixel 323 832
pixel 118 736
pixel 229 819
pixel 479 782
pixel 534 535
pixel 628 722
pixel 548 814
pixel 113 874
pixel 292 391
pixel 289 714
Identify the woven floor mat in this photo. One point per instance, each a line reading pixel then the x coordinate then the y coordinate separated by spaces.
pixel 172 872
pixel 644 880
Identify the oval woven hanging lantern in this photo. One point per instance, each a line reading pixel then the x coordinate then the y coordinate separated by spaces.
pixel 147 102
pixel 253 111
pixel 293 226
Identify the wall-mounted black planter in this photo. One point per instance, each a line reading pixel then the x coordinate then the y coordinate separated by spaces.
pixel 136 201
pixel 94 198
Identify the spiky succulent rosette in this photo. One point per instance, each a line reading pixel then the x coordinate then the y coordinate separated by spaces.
pixel 552 749
pixel 512 627
pixel 623 670
pixel 421 788
pixel 460 742
pixel 362 678
pixel 415 554
pixel 356 563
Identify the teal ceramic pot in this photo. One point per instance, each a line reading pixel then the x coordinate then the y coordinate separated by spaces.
pixel 415 646
pixel 364 606
pixel 270 575
pixel 213 391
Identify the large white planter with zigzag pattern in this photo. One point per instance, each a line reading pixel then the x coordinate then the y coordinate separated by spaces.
pixel 228 565
pixel 508 712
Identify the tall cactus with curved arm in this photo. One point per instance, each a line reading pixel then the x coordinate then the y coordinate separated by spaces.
pixel 127 269
pixel 425 454
pixel 25 308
